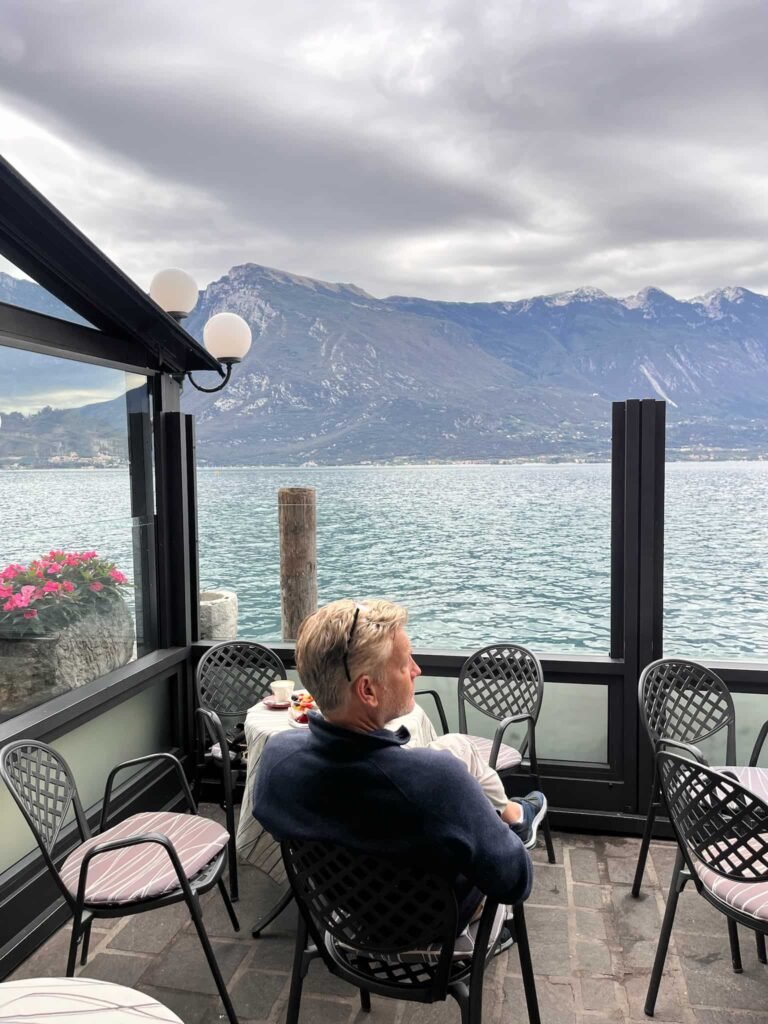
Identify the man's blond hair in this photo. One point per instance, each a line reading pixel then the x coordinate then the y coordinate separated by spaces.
pixel 324 640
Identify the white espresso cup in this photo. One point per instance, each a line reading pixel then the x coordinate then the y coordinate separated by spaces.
pixel 282 689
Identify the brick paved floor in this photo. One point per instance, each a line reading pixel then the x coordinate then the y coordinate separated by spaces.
pixel 592 947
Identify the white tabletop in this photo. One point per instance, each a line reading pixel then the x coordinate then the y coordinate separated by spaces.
pixel 254 845
pixel 78 1001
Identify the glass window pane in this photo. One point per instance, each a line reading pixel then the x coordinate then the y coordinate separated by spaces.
pixel 77 540
pixel 715 561
pixel 16 289
pixel 476 553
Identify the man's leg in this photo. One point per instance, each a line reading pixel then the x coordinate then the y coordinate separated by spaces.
pixel 522 815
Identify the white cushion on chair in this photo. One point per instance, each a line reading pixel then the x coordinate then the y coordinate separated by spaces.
pixel 508 756
pixel 144 871
pixel 748 897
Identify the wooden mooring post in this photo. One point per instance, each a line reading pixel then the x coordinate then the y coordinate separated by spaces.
pixel 297 517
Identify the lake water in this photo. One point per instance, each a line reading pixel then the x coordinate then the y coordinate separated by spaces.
pixel 477 553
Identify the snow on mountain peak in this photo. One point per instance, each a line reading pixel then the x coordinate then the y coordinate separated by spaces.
pixel 584 294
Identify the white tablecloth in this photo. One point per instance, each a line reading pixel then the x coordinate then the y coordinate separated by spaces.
pixel 254 845
pixel 78 1001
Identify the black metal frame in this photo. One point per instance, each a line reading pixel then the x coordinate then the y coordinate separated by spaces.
pixel 723 826
pixel 41 783
pixel 374 905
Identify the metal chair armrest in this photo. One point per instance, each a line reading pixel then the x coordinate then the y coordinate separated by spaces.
pixel 146 760
pixel 438 705
pixel 754 756
pixel 687 748
pixel 530 739
pixel 121 844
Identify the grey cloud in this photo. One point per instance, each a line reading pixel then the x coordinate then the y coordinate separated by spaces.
pixel 497 146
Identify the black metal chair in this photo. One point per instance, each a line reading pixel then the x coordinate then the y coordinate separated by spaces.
pixel 722 832
pixel 147 861
pixel 230 678
pixel 504 682
pixel 682 704
pixel 389 927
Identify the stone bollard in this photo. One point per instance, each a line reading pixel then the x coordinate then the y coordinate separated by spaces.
pixel 218 615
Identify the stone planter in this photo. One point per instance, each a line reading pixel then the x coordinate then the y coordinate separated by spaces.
pixel 34 669
pixel 218 615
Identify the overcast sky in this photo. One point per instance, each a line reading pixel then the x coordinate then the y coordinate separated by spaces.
pixel 465 149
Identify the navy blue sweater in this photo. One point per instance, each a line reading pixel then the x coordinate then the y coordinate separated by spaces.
pixel 368 791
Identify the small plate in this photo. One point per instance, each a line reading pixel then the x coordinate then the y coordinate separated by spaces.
pixel 297 725
pixel 275 705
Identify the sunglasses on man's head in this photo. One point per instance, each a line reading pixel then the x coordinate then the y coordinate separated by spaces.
pixel 358 608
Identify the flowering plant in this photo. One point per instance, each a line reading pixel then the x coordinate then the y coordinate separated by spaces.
pixel 54 589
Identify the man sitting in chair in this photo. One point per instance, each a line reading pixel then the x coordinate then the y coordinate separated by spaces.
pixel 350 780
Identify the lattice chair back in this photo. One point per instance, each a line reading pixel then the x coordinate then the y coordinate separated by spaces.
pixel 720 825
pixel 234 675
pixel 41 783
pixel 501 680
pixel 682 700
pixel 375 905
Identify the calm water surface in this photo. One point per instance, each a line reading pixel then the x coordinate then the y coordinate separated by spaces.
pixel 477 553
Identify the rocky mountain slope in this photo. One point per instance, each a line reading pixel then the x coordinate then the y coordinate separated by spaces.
pixel 336 375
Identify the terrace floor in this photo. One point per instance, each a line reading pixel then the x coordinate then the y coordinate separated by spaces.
pixel 592 948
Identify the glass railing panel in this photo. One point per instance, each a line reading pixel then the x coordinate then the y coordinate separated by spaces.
pixel 476 553
pixel 715 564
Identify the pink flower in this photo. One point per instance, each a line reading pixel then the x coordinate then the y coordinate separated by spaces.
pixel 6 592
pixel 50 587
pixel 88 556
pixel 117 576
pixel 96 587
pixel 9 605
pixel 31 614
pixel 73 560
pixel 11 572
pixel 68 586
pixel 53 570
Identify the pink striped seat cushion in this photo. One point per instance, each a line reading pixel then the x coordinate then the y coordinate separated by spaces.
pixel 508 756
pixel 141 872
pixel 753 779
pixel 748 897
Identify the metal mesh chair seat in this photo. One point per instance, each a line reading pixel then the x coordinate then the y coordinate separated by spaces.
pixel 129 874
pixel 505 682
pixel 429 954
pixel 507 758
pixel 389 926
pixel 230 678
pixel 722 833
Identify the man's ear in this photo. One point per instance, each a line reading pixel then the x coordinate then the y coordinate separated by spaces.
pixel 365 690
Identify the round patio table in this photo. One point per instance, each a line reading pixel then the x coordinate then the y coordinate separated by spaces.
pixel 77 1001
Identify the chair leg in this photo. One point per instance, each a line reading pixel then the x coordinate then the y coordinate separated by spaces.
pixel 270 916
pixel 228 905
pixel 733 940
pixel 526 966
pixel 548 840
pixel 760 943
pixel 86 941
pixel 76 929
pixel 653 807
pixel 664 935
pixel 297 973
pixel 232 851
pixel 205 942
pixel 365 1000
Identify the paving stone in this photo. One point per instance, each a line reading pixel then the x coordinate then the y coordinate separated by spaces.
pixel 549 885
pixel 320 982
pixel 669 1002
pixel 639 954
pixel 635 918
pixel 255 993
pixel 547 924
pixel 548 958
pixel 121 968
pixel 590 924
pixel 183 966
pixel 143 934
pixel 598 994
pixel 621 870
pixel 429 1013
pixel 188 1006
pixel 694 914
pixel 593 958
pixel 719 986
pixel 584 865
pixel 590 896
pixel 540 856
pixel 49 961
pixel 557 1002
pixel 320 1011
pixel 709 1016
pixel 619 846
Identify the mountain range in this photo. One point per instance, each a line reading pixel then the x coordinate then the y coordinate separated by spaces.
pixel 337 376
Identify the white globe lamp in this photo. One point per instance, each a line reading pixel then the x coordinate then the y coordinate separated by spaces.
pixel 227 337
pixel 175 291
